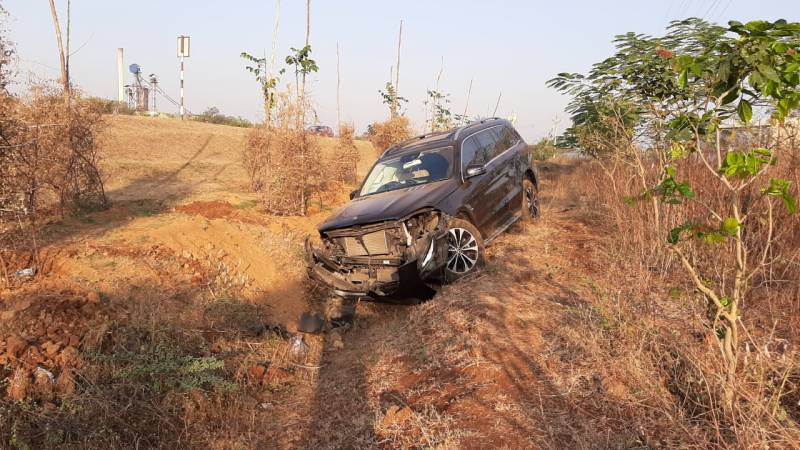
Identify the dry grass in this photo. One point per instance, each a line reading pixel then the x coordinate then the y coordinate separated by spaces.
pixel 679 348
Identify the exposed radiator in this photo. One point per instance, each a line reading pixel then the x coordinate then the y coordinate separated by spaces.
pixel 374 244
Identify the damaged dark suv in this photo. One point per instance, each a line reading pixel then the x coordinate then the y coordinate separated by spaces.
pixel 425 211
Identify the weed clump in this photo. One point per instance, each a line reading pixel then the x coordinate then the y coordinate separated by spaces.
pixel 544 150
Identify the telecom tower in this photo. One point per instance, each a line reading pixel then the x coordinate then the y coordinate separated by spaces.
pixel 154 83
pixel 138 95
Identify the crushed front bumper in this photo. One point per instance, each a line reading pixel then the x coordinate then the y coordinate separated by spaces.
pixel 389 278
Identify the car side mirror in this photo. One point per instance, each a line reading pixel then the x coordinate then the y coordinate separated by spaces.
pixel 474 171
pixel 353 194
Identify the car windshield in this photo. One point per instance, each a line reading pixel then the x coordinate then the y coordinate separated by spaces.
pixel 410 169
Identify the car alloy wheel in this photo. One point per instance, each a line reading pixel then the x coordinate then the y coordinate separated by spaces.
pixel 462 251
pixel 531 200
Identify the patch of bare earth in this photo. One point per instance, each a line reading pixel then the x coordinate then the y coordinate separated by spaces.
pixel 163 321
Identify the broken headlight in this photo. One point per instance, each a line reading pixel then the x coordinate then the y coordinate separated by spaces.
pixel 420 224
pixel 420 230
pixel 429 254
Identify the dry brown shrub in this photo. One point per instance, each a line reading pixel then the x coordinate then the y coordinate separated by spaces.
pixel 50 155
pixel 342 163
pixel 283 161
pixel 385 134
pixel 255 156
pixel 49 160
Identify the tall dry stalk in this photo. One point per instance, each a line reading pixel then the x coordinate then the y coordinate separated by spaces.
pixel 61 53
pixel 397 71
pixel 338 89
pixel 466 104
pixel 271 71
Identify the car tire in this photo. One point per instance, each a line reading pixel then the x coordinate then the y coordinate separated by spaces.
pixel 464 250
pixel 531 208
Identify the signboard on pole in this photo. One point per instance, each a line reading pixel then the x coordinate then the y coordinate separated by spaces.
pixel 183 46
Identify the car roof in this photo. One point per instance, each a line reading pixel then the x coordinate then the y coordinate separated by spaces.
pixel 441 138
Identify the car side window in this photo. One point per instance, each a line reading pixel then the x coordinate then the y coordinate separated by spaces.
pixel 482 147
pixel 487 139
pixel 506 139
pixel 472 153
pixel 490 139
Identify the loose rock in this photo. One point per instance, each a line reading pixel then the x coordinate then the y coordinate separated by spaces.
pixel 15 345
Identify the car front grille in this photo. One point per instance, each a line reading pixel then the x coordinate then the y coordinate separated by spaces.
pixel 373 244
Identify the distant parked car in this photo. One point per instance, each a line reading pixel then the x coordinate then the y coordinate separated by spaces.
pixel 320 130
pixel 425 211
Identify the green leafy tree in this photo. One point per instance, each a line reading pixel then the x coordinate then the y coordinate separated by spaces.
pixel 761 66
pixel 6 53
pixel 258 67
pixel 390 98
pixel 671 96
pixel 441 118
pixel 303 65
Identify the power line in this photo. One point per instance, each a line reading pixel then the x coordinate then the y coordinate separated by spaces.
pixel 710 8
pixel 170 99
pixel 684 8
pixel 721 14
pixel 669 10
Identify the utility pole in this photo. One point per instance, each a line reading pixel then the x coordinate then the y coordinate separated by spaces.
pixel 120 77
pixel 183 109
pixel 302 117
pixel 183 52
pixel 435 103
pixel 308 20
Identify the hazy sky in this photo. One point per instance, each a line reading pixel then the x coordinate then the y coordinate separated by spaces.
pixel 511 47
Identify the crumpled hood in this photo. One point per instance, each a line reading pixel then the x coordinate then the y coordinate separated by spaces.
pixel 391 205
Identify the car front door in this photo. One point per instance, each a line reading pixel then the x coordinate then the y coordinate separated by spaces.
pixel 505 155
pixel 485 193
